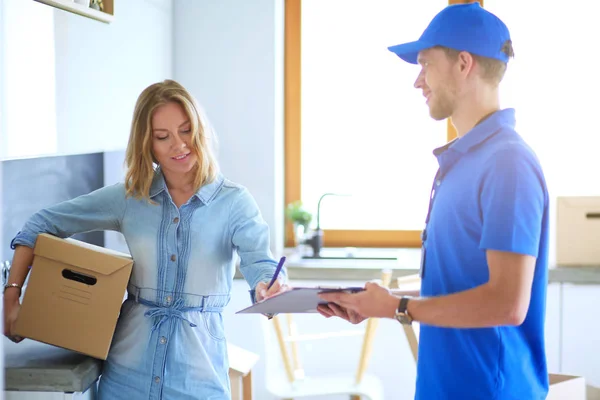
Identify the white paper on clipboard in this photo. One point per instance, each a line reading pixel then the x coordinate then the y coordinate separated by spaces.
pixel 297 300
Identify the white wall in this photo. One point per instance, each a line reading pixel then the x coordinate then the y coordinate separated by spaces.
pixel 229 54
pixel 102 68
pixel 26 43
pixel 2 143
pixel 75 80
pixel 2 258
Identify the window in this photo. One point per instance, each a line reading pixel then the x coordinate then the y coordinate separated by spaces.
pixel 27 90
pixel 355 126
pixel 552 84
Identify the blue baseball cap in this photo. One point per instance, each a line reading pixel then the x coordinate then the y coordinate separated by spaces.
pixel 462 27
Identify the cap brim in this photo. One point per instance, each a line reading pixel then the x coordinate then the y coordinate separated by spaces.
pixel 409 52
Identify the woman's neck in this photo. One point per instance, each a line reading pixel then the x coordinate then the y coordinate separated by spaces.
pixel 183 183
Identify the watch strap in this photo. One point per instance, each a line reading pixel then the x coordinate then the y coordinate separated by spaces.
pixel 402 314
pixel 403 305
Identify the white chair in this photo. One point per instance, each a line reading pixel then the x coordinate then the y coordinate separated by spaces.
pixel 285 377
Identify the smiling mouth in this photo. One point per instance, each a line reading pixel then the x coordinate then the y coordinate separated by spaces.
pixel 181 157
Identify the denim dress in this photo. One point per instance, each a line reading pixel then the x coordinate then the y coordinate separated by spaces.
pixel 169 342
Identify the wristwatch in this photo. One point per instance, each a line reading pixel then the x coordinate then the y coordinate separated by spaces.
pixel 402 314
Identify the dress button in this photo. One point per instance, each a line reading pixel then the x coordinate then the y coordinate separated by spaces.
pixel 168 299
pixel 176 220
pixel 163 340
pixel 173 257
pixel 157 379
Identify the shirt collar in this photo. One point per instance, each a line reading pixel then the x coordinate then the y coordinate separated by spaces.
pixel 484 130
pixel 205 194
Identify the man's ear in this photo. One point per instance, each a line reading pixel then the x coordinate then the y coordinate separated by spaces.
pixel 466 62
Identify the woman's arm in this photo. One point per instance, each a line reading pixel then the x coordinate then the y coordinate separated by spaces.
pixel 101 209
pixel 250 237
pixel 22 259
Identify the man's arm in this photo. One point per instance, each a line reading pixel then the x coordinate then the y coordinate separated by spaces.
pixel 503 300
pixel 399 293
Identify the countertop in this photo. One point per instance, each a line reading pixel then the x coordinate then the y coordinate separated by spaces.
pixel 406 263
pixel 35 366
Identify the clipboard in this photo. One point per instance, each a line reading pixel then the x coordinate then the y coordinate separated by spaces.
pixel 297 300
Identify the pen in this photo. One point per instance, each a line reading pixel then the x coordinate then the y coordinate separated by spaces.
pixel 274 279
pixel 277 271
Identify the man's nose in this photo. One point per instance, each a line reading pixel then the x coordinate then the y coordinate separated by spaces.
pixel 419 81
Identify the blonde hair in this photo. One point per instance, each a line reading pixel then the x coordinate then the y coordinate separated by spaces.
pixel 492 70
pixel 140 161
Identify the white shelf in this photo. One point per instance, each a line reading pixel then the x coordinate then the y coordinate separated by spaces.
pixel 71 6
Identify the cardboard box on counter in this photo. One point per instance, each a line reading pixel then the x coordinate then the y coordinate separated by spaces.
pixel 74 295
pixel 566 387
pixel 577 231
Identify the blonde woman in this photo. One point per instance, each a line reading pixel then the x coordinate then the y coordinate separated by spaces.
pixel 183 222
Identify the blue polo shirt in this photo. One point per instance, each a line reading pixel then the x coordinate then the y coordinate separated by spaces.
pixel 491 195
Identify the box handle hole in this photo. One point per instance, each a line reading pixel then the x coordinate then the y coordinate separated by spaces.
pixel 78 277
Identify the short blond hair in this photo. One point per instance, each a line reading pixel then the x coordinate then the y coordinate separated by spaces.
pixel 140 161
pixel 492 70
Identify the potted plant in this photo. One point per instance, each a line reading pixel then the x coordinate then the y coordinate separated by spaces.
pixel 300 217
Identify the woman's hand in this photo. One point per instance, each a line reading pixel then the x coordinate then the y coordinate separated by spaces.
pixel 263 292
pixel 11 312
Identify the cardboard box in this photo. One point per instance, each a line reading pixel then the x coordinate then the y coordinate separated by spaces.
pixel 577 231
pixel 74 295
pixel 566 387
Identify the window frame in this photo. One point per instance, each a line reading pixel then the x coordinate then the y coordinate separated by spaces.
pixel 293 146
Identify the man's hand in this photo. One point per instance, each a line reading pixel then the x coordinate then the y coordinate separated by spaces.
pixel 263 292
pixel 375 301
pixel 333 310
